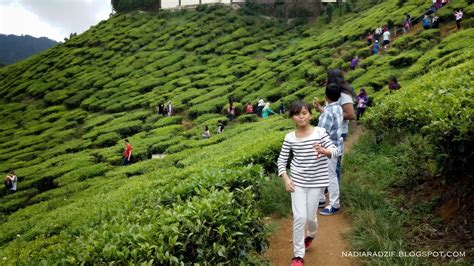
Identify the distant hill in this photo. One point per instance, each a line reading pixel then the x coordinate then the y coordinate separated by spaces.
pixel 14 48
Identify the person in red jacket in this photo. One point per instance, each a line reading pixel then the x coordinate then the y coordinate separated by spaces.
pixel 127 154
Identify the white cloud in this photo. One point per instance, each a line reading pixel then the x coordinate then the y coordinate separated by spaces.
pixel 55 19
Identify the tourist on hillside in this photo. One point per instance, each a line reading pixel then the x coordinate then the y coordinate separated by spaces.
pixel 260 106
pixel 11 181
pixel 362 101
pixel 386 39
pixel 231 111
pixel 370 39
pixel 127 154
pixel 161 109
pixel 393 84
pixel 169 109
pixel 310 148
pixel 409 19
pixel 282 107
pixel 249 108
pixel 435 22
pixel 405 26
pixel 220 127
pixel 266 111
pixel 354 62
pixel 378 32
pixel 331 119
pixel 458 15
pixel 375 47
pixel 426 22
pixel 347 103
pixel 206 134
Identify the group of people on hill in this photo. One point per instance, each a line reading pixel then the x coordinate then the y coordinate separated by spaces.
pixel 166 110
pixel 207 133
pixel 374 39
pixel 316 154
pixel 431 20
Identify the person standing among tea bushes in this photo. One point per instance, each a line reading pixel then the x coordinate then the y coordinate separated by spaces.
pixel 266 111
pixel 260 106
pixel 308 177
pixel 11 181
pixel 206 134
pixel 127 154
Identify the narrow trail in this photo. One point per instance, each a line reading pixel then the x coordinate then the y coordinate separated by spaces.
pixel 329 243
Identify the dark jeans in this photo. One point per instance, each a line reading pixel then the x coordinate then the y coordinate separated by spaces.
pixel 126 161
pixel 259 111
pixel 360 112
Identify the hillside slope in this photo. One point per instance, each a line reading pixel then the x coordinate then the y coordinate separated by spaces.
pixel 66 111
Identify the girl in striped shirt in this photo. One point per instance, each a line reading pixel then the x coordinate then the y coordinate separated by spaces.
pixel 310 148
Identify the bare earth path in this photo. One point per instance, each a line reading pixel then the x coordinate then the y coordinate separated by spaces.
pixel 329 243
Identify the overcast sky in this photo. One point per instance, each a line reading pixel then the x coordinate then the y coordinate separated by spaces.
pixel 54 19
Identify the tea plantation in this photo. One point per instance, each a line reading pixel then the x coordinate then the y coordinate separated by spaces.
pixel 65 113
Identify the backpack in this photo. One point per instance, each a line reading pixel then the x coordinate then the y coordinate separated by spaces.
pixel 8 183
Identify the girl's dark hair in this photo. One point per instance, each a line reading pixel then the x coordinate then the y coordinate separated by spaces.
pixel 336 76
pixel 393 79
pixel 206 128
pixel 297 106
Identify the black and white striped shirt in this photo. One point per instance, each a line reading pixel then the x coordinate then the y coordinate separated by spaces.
pixel 306 169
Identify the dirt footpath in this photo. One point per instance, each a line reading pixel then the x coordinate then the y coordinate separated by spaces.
pixel 329 243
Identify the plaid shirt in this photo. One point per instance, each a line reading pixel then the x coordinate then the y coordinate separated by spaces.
pixel 331 119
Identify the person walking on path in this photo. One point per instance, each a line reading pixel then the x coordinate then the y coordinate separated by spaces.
pixel 458 15
pixel 435 22
pixel 11 181
pixel 426 22
pixel 346 101
pixel 331 119
pixel 127 154
pixel 266 111
pixel 370 39
pixel 375 47
pixel 386 39
pixel 362 100
pixel 311 147
pixel 260 106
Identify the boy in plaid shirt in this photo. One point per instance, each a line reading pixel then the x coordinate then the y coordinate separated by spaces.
pixel 331 119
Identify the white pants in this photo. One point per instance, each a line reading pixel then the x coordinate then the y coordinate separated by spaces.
pixel 304 203
pixel 333 188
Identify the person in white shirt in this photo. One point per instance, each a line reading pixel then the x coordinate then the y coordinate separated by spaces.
pixel 458 16
pixel 386 39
